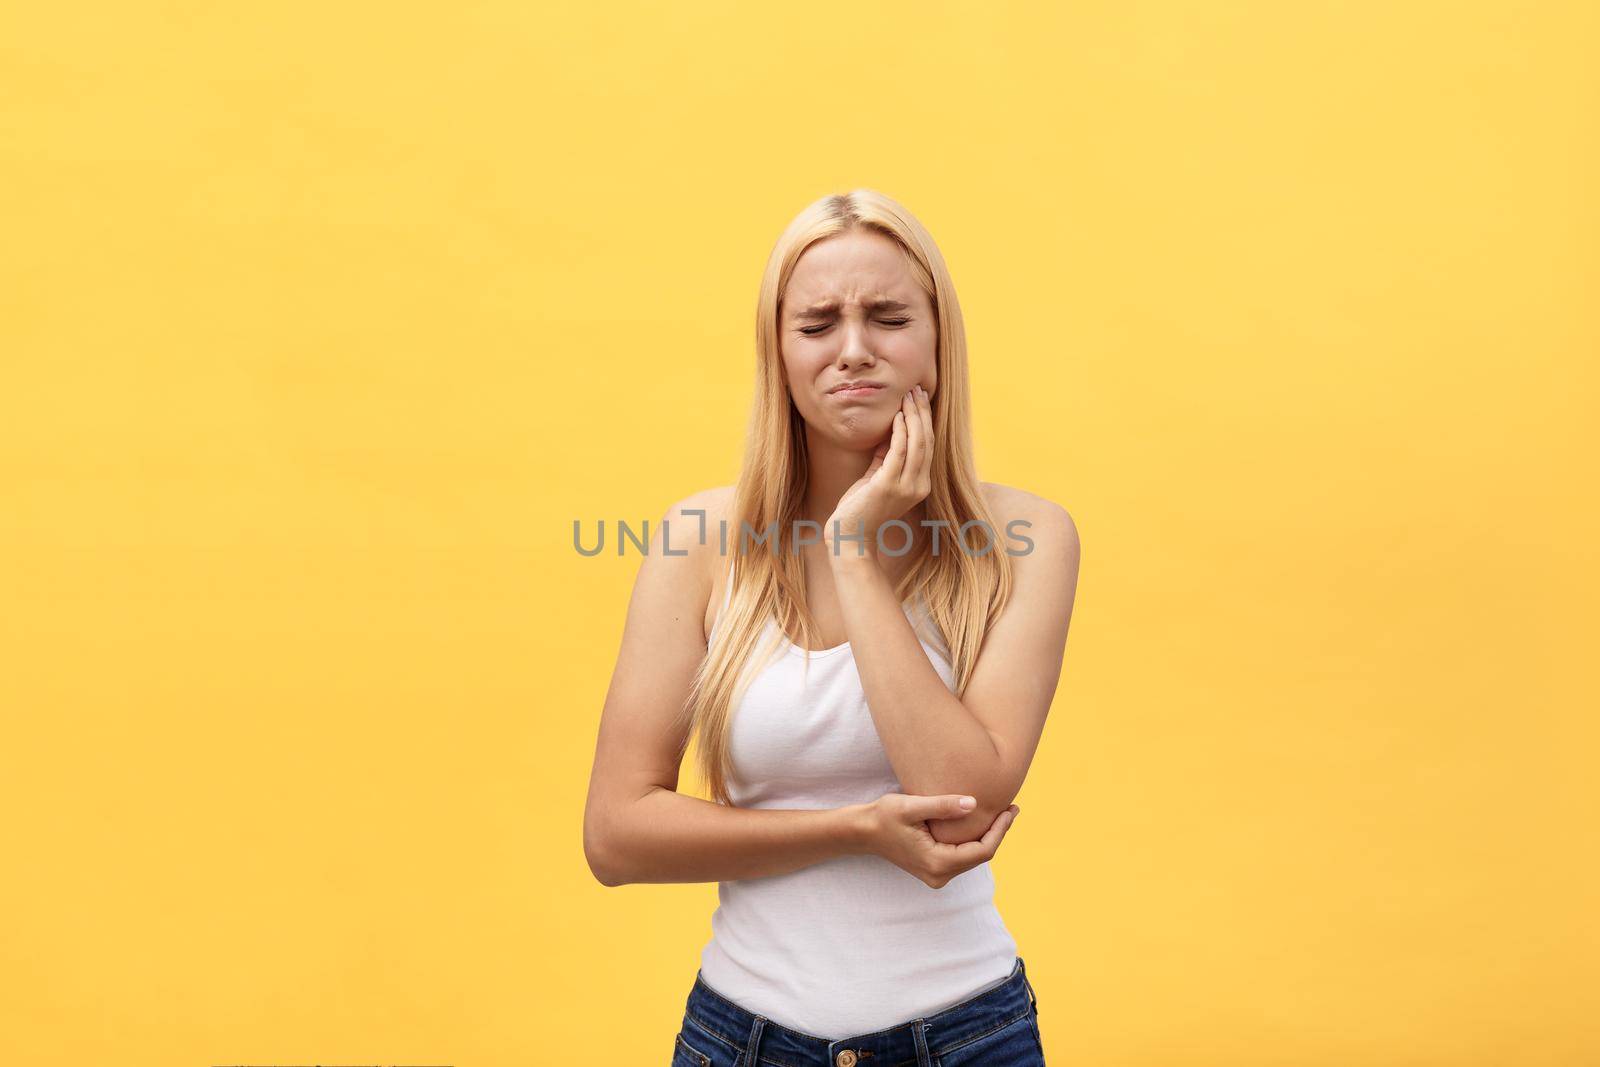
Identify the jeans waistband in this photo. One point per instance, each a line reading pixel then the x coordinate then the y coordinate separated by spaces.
pixel 911 1044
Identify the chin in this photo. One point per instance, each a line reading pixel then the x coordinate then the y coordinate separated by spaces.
pixel 863 433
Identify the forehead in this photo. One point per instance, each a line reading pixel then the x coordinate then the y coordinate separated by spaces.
pixel 850 268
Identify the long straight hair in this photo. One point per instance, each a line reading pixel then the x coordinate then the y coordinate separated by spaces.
pixel 964 589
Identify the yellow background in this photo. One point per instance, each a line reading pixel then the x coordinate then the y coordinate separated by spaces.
pixel 323 322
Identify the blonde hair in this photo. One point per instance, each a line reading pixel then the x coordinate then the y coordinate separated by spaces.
pixel 964 592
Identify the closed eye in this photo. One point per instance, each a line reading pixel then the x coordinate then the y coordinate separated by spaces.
pixel 812 331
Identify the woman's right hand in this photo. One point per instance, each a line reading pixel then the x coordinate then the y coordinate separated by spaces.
pixel 897 830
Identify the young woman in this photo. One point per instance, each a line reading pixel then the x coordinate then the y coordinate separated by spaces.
pixel 864 639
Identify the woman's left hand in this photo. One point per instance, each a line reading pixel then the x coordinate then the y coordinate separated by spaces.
pixel 899 478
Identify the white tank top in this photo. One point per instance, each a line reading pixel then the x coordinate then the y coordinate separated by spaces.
pixel 853 944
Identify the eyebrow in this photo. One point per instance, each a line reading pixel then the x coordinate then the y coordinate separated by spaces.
pixel 828 307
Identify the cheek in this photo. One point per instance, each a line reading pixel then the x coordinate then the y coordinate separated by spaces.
pixel 915 352
pixel 800 373
pixel 794 365
pixel 803 364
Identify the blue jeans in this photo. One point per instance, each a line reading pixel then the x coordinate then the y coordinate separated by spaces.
pixel 997 1028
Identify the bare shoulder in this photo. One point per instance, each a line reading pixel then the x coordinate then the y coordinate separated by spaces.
pixel 711 504
pixel 1041 527
pixel 718 496
pixel 692 525
pixel 1041 541
pixel 689 525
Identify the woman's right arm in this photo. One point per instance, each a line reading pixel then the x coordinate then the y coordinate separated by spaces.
pixel 665 836
pixel 638 828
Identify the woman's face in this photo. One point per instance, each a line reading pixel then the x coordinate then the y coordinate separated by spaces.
pixel 853 312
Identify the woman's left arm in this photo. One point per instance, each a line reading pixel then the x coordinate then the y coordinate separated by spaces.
pixel 982 742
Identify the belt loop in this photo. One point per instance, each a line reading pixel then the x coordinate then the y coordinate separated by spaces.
pixel 1032 996
pixel 755 1041
pixel 919 1037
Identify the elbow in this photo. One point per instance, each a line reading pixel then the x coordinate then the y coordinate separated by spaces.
pixel 969 827
pixel 608 881
pixel 611 829
pixel 974 824
pixel 600 856
pixel 989 783
pixel 602 872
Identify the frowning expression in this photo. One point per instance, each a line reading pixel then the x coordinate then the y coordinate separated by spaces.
pixel 854 313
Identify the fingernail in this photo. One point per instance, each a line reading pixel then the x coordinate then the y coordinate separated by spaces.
pixel 969 802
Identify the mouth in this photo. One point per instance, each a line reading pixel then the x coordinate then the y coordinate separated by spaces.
pixel 863 389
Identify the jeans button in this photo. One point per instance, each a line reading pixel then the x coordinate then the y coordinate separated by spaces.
pixel 847 1058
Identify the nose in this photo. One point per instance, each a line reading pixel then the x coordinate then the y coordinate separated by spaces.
pixel 853 351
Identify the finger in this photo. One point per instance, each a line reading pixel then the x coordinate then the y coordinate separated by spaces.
pixel 878 455
pixel 925 408
pixel 895 460
pixel 914 458
pixel 941 806
pixel 972 853
pixel 1013 809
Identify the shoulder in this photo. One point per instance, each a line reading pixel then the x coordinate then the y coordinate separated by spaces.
pixel 699 517
pixel 715 502
pixel 1046 516
pixel 693 521
pixel 1041 527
